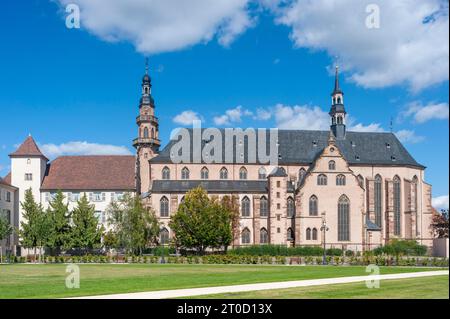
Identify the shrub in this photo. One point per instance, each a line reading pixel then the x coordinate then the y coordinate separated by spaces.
pixel 398 247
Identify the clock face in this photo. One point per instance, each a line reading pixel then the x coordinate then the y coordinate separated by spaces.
pixel 332 149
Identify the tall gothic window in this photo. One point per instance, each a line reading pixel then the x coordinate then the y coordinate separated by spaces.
pixel 344 219
pixel 262 173
pixel 245 236
pixel 204 173
pixel 331 165
pixel 263 236
pixel 245 207
pixel 290 207
pixel 263 207
pixel 164 207
pixel 397 205
pixel 361 181
pixel 314 234
pixel 166 173
pixel 243 173
pixel 340 180
pixel 322 179
pixel 146 132
pixel 378 200
pixel 185 173
pixel 308 233
pixel 313 206
pixel 164 236
pixel 301 175
pixel 223 173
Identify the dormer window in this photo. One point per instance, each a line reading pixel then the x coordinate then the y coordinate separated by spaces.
pixel 388 145
pixel 357 157
pixel 314 143
pixel 393 158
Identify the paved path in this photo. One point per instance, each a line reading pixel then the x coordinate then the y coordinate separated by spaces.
pixel 164 294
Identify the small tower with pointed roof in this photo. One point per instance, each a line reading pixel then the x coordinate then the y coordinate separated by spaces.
pixel 28 167
pixel 147 143
pixel 337 111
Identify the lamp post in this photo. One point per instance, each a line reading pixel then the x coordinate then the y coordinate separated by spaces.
pixel 324 228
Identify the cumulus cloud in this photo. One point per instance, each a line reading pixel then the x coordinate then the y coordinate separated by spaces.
pixel 301 117
pixel 82 148
pixel 411 46
pixel 373 127
pixel 155 26
pixel 232 116
pixel 263 114
pixel 423 113
pixel 186 118
pixel 440 202
pixel 408 136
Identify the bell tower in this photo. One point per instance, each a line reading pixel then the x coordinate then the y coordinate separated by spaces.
pixel 337 111
pixel 147 143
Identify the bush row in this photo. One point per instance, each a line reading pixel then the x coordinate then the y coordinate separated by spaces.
pixel 244 259
pixel 279 250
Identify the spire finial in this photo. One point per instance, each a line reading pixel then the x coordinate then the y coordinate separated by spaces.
pixel 336 80
pixel 146 65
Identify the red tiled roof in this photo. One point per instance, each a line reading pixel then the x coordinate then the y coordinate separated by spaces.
pixel 91 173
pixel 6 181
pixel 28 148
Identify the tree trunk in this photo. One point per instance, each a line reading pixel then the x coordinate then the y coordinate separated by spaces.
pixel 1 254
pixel 34 254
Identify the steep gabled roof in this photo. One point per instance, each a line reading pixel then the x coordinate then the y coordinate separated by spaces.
pixel 91 173
pixel 223 186
pixel 302 147
pixel 28 148
pixel 6 183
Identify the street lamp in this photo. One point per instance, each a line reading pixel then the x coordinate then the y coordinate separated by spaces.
pixel 324 229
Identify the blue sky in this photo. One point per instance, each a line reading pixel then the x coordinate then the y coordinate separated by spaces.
pixel 251 67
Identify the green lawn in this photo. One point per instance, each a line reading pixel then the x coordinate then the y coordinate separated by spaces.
pixel 48 281
pixel 412 288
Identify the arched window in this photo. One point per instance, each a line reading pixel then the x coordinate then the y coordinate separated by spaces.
pixel 301 175
pixel 290 234
pixel 339 100
pixel 339 120
pixel 204 173
pixel 166 173
pixel 331 165
pixel 340 180
pixel 182 200
pixel 397 206
pixel 145 132
pixel 185 173
pixel 314 234
pixel 164 236
pixel 263 207
pixel 164 207
pixel 263 236
pixel 308 233
pixel 223 173
pixel 245 236
pixel 243 173
pixel 343 219
pixel 378 199
pixel 153 133
pixel 322 179
pixel 245 207
pixel 313 206
pixel 290 207
pixel 262 173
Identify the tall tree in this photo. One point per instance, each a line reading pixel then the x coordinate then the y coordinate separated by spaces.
pixel 86 233
pixel 60 216
pixel 439 223
pixel 5 231
pixel 201 223
pixel 29 225
pixel 135 226
pixel 231 203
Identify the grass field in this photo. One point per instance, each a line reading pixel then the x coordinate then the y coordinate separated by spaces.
pixel 48 281
pixel 412 288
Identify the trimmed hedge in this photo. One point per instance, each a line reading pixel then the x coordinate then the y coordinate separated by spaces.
pixel 279 250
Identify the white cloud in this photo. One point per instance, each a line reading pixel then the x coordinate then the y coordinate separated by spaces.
pixel 232 116
pixel 424 113
pixel 408 136
pixel 82 148
pixel 411 46
pixel 301 117
pixel 155 26
pixel 440 202
pixel 186 118
pixel 263 114
pixel 373 127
